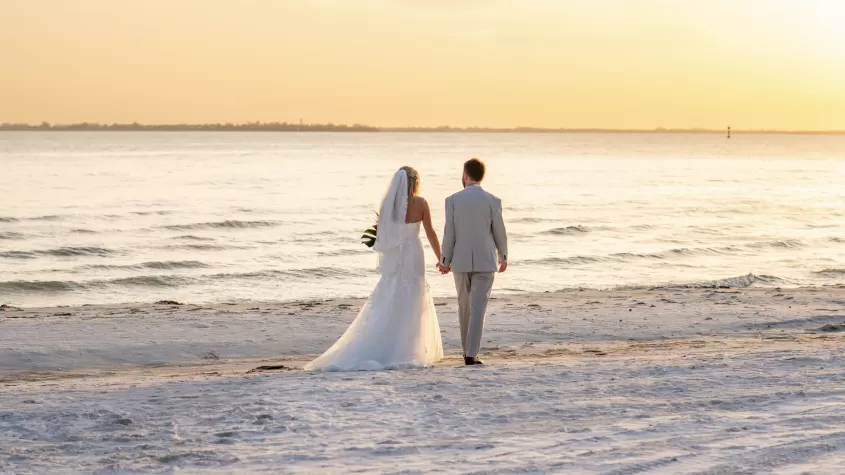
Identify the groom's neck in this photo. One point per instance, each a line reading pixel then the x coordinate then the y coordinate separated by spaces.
pixel 470 183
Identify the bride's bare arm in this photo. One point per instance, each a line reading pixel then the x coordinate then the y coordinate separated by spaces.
pixel 430 233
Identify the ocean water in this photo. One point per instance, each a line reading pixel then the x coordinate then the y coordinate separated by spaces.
pixel 208 217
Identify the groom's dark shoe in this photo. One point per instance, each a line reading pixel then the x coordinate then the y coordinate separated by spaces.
pixel 472 361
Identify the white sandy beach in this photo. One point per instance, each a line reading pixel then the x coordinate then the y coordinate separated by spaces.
pixel 640 381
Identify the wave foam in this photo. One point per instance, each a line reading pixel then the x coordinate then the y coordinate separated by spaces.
pixel 738 282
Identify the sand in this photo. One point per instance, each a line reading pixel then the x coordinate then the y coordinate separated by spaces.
pixel 639 381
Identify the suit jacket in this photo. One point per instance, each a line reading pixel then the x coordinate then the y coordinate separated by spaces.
pixel 475 239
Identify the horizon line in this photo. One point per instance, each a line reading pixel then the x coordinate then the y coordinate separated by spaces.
pixel 259 126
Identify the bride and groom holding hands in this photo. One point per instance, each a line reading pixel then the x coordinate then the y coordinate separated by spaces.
pixel 398 327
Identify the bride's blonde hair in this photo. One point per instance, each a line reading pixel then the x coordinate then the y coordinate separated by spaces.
pixel 413 181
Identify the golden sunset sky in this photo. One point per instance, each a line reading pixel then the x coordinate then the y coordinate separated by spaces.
pixel 752 64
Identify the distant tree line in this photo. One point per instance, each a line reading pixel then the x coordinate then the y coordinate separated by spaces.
pixel 246 127
pixel 293 127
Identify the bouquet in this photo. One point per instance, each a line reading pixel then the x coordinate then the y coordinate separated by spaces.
pixel 369 237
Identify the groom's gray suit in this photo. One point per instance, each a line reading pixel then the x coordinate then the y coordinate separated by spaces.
pixel 474 243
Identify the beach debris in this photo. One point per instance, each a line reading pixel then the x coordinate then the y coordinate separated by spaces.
pixel 63 314
pixel 210 355
pixel 168 302
pixel 277 367
pixel 8 308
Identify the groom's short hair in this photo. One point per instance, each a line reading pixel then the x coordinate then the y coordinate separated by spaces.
pixel 475 169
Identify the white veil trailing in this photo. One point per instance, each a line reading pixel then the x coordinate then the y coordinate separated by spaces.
pixel 391 222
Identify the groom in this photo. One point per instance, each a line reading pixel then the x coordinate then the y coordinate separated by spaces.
pixel 474 242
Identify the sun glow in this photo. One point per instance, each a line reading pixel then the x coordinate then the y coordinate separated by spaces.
pixel 761 64
pixel 826 22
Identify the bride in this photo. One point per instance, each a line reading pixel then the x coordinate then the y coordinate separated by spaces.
pixel 397 327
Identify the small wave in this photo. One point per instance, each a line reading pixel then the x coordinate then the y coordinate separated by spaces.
pixel 567 231
pixel 739 282
pixel 83 231
pixel 831 272
pixel 55 286
pixel 77 251
pixel 148 213
pixel 630 256
pixel 174 265
pixel 344 252
pixel 202 247
pixel 704 230
pixel 15 286
pixel 837 239
pixel 530 220
pixel 167 265
pixel 58 252
pixel 8 219
pixel 229 224
pixel 700 251
pixel 305 273
pixel 11 235
pixel 785 244
pixel 169 281
pixel 191 237
pixel 575 260
pixel 145 281
pixel 17 255
pixel 51 217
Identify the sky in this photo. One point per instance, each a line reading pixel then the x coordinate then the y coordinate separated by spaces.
pixel 630 64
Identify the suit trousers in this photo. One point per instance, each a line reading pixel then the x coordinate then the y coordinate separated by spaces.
pixel 473 294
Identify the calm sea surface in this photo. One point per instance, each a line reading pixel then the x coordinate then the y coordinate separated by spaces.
pixel 202 217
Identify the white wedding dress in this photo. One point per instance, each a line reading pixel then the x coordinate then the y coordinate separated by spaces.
pixel 397 328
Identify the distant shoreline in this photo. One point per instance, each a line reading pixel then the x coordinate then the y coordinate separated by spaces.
pixel 285 127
